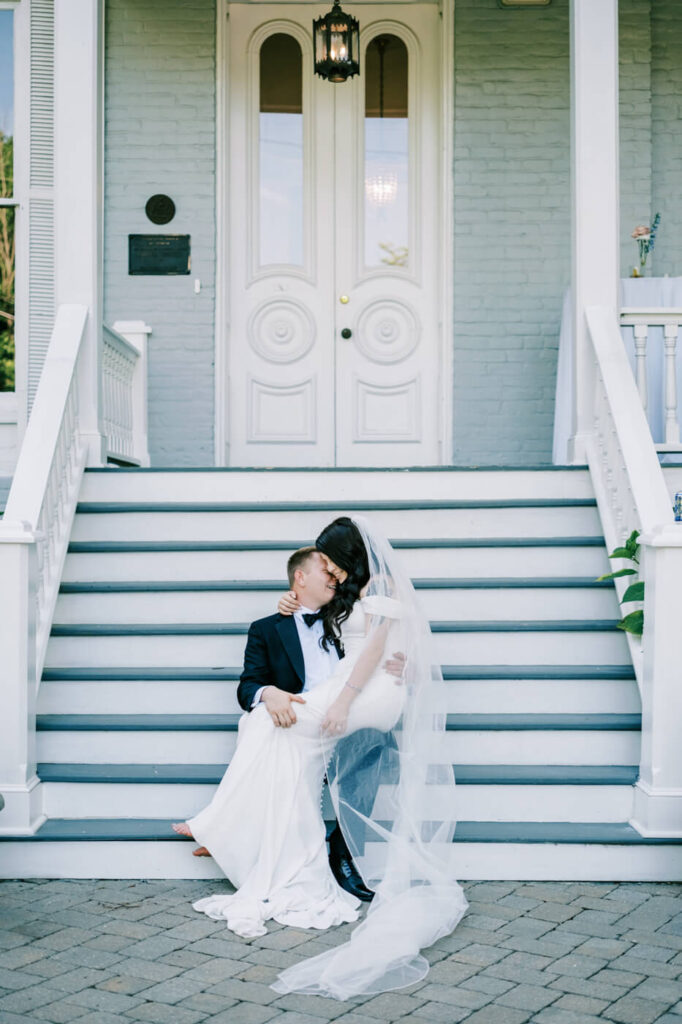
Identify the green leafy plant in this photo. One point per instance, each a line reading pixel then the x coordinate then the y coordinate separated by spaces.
pixel 633 622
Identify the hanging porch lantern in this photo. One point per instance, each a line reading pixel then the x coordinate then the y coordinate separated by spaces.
pixel 336 38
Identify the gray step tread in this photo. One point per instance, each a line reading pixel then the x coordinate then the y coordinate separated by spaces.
pixel 228 723
pixel 241 628
pixel 106 507
pixel 450 672
pixel 121 546
pixel 464 583
pixel 159 829
pixel 539 467
pixel 211 774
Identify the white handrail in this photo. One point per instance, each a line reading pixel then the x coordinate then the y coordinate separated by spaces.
pixel 632 495
pixel 628 467
pixel 42 498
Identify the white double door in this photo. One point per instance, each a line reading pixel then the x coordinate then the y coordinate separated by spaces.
pixel 334 257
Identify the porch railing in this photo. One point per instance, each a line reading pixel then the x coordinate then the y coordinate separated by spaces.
pixel 46 482
pixel 632 495
pixel 670 320
pixel 34 536
pixel 124 392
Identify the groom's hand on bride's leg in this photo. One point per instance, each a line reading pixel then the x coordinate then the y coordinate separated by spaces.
pixel 279 705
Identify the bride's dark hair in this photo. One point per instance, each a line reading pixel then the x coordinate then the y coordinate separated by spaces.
pixel 342 542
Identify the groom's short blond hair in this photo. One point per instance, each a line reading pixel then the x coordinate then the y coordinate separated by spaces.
pixel 298 560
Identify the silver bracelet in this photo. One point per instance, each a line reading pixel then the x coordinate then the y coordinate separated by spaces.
pixel 358 689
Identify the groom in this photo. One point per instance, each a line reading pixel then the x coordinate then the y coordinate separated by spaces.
pixel 283 660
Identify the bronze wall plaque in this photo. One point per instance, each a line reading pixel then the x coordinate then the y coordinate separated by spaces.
pixel 159 254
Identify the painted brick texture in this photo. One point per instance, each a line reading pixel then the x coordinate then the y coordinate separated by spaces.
pixel 512 227
pixel 666 115
pixel 161 137
pixel 634 41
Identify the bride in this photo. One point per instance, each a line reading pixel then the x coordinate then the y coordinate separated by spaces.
pixel 264 826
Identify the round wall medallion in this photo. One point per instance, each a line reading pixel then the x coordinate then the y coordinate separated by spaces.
pixel 388 331
pixel 160 209
pixel 281 330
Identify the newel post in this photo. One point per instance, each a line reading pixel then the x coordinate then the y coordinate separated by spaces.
pixel 658 794
pixel 594 191
pixel 19 783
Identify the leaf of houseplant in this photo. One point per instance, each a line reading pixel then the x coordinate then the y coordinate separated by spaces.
pixel 614 575
pixel 621 553
pixel 635 592
pixel 633 623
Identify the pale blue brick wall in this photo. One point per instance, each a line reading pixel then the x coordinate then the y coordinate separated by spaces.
pixel 666 80
pixel 512 227
pixel 635 123
pixel 160 137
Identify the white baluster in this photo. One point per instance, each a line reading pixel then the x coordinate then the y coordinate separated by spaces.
pixel 672 427
pixel 641 338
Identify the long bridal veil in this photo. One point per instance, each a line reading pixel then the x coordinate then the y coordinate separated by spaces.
pixel 403 847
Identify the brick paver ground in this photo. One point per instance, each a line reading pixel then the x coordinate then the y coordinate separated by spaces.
pixel 127 951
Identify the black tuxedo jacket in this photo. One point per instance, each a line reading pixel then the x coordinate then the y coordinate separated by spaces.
pixel 273 657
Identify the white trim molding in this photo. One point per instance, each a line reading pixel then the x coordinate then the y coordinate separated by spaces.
pixel 595 179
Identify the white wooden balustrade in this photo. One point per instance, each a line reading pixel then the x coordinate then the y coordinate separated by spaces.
pixel 632 495
pixel 124 392
pixel 642 320
pixel 34 537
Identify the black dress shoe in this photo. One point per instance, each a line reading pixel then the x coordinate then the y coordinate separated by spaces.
pixel 344 870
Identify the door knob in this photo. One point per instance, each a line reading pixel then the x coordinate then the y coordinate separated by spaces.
pixel 344 300
pixel 346 333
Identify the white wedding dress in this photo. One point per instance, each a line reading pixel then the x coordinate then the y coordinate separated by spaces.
pixel 264 826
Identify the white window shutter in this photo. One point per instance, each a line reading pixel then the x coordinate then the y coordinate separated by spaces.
pixel 41 190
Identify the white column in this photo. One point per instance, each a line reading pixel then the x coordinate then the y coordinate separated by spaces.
pixel 594 188
pixel 79 68
pixel 658 794
pixel 19 783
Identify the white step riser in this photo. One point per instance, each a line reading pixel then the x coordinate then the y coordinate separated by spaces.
pixel 470 861
pixel 476 696
pixel 407 524
pixel 247 605
pixel 537 747
pixel 336 486
pixel 421 563
pixel 489 648
pixel 472 803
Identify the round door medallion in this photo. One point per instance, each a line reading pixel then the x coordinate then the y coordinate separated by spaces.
pixel 160 209
pixel 281 330
pixel 388 331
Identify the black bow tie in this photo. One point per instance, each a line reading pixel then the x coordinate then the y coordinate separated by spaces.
pixel 310 617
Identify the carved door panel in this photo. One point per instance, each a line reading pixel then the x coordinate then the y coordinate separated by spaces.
pixel 333 194
pixel 281 336
pixel 387 380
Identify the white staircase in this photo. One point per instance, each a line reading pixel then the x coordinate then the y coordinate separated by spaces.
pixel 137 707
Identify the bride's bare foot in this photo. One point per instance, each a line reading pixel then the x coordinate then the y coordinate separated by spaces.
pixel 201 851
pixel 182 829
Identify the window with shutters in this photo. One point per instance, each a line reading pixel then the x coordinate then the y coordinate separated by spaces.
pixel 7 198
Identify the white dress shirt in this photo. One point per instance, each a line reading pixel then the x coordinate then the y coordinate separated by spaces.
pixel 319 664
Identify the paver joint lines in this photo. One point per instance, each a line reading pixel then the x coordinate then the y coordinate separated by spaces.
pixel 536 952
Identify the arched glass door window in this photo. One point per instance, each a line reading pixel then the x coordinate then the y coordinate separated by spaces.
pixel 386 152
pixel 281 151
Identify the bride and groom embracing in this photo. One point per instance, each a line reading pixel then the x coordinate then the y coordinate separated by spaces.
pixel 374 725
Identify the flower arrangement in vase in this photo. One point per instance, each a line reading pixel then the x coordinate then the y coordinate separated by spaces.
pixel 645 238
